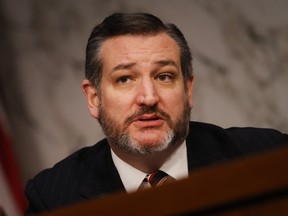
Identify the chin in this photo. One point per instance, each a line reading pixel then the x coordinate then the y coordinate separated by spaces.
pixel 149 139
pixel 148 149
pixel 150 144
pixel 146 142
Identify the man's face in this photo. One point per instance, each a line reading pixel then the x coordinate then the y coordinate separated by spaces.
pixel 142 105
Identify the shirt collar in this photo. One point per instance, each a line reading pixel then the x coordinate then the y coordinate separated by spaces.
pixel 176 166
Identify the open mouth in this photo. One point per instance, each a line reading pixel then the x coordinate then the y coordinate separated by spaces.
pixel 149 119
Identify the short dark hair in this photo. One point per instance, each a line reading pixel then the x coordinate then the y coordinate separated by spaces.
pixel 131 24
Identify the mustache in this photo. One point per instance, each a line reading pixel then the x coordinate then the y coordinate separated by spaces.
pixel 147 110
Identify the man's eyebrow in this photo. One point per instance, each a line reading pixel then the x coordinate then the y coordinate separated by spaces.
pixel 123 66
pixel 126 66
pixel 163 63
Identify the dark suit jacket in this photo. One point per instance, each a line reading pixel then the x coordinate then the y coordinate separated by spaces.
pixel 90 172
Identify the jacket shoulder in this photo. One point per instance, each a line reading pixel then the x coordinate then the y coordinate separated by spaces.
pixel 242 140
pixel 251 139
pixel 57 185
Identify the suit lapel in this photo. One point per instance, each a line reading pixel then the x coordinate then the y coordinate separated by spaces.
pixel 101 178
pixel 207 145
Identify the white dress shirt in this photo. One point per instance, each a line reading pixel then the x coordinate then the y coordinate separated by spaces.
pixel 175 166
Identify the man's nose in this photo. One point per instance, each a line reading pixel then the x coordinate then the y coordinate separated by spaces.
pixel 147 93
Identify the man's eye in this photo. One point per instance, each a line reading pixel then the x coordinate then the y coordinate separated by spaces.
pixel 165 77
pixel 123 80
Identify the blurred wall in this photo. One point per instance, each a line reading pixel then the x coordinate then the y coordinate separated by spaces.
pixel 240 50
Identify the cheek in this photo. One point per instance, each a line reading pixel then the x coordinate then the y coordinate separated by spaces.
pixel 174 102
pixel 117 106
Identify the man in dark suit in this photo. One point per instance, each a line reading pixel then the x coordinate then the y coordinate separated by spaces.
pixel 139 84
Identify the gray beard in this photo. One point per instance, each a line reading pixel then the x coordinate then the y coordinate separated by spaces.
pixel 123 141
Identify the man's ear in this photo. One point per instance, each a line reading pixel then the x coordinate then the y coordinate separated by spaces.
pixel 92 98
pixel 190 83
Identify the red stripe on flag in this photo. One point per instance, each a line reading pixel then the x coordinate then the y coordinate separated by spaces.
pixel 11 171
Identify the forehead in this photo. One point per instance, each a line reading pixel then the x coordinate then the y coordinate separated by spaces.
pixel 139 48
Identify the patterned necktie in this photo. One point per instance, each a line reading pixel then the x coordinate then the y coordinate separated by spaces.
pixel 155 179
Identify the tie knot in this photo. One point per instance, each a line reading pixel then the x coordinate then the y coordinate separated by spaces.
pixel 155 179
pixel 158 178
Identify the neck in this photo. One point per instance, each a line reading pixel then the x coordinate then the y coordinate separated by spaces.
pixel 146 162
